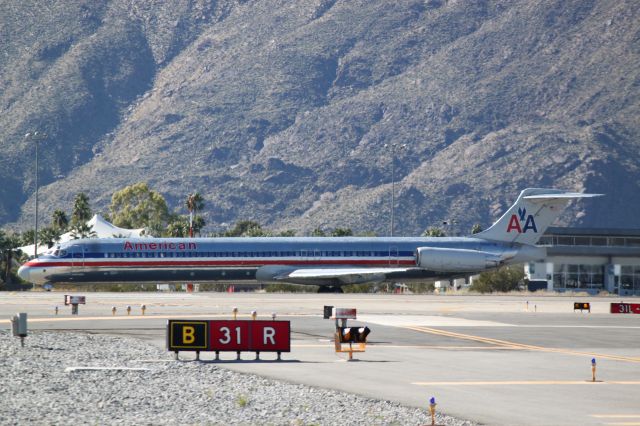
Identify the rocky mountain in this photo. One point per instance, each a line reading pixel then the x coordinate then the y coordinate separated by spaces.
pixel 288 112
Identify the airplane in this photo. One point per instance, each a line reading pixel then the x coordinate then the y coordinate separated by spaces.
pixel 327 262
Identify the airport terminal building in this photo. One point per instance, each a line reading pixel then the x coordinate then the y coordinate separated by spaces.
pixel 590 260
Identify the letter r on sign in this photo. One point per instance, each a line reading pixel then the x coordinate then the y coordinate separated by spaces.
pixel 269 332
pixel 188 335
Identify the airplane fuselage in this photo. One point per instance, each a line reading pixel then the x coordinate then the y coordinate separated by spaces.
pixel 318 261
pixel 250 259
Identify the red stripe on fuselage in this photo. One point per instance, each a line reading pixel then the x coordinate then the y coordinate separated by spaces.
pixel 167 263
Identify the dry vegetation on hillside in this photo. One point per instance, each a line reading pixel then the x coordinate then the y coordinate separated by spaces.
pixel 279 111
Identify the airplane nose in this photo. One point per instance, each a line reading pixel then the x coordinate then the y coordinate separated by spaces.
pixel 23 272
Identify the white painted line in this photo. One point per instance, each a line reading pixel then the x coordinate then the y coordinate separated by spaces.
pixel 72 369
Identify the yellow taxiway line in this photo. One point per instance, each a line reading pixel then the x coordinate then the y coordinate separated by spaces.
pixel 522 346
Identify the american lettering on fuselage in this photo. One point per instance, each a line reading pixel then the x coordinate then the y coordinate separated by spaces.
pixel 153 245
pixel 326 262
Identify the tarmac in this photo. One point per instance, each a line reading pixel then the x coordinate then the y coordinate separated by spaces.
pixel 499 360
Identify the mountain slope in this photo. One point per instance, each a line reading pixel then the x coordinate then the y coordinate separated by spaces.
pixel 280 112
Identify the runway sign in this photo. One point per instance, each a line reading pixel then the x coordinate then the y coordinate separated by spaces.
pixel 250 336
pixel 187 335
pixel 229 336
pixel 270 336
pixel 74 300
pixel 345 313
pixel 625 308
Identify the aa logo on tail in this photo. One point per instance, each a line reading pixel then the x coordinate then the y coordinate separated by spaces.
pixel 516 221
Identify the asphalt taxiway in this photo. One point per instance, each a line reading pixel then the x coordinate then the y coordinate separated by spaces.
pixel 507 360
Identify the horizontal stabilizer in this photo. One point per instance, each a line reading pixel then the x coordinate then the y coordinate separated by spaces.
pixel 530 216
pixel 565 195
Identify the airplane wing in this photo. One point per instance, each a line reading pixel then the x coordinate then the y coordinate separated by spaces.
pixel 337 275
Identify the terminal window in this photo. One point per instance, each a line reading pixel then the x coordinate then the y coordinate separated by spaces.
pixel 569 277
pixel 630 278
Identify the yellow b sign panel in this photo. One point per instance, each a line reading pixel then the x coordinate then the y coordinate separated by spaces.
pixel 187 335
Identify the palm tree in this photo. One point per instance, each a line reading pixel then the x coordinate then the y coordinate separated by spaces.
pixel 318 232
pixel 194 203
pixel 433 231
pixel 178 228
pixel 476 228
pixel 198 224
pixel 81 210
pixel 8 249
pixel 83 230
pixel 342 232
pixel 49 236
pixel 27 237
pixel 246 228
pixel 60 220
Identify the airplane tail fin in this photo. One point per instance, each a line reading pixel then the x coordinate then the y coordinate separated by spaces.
pixel 531 214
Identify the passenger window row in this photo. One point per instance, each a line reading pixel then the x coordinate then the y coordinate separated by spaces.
pixel 304 254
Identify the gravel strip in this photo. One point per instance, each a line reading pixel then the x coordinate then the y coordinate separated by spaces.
pixel 153 389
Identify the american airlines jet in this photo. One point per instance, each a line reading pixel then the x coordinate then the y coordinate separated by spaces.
pixel 326 262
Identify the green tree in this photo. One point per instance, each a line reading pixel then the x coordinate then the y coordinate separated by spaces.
pixel 318 233
pixel 194 203
pixel 27 237
pixel 287 233
pixel 433 231
pixel 502 280
pixel 198 224
pixel 246 228
pixel 59 220
pixel 8 252
pixel 476 228
pixel 137 206
pixel 83 231
pixel 342 232
pixel 178 226
pixel 81 210
pixel 49 236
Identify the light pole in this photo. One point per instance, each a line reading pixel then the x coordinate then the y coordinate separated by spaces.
pixel 36 136
pixel 393 147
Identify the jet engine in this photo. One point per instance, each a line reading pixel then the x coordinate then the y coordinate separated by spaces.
pixel 455 260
